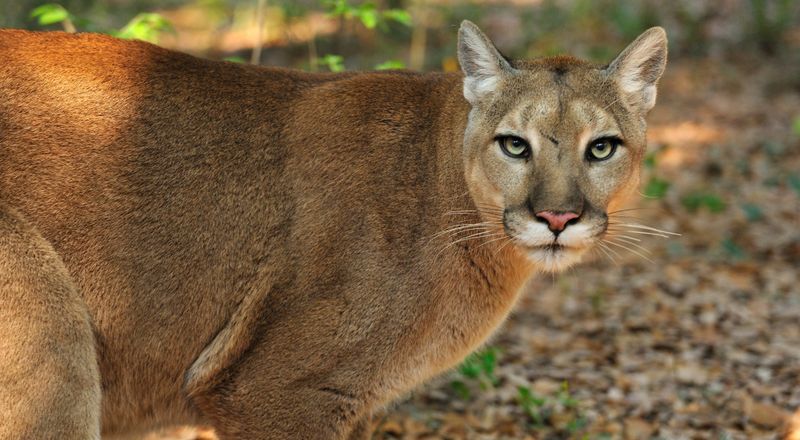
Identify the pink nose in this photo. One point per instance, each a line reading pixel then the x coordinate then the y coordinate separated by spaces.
pixel 556 221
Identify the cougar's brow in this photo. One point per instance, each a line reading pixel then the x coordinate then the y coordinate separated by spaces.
pixel 527 112
pixel 595 116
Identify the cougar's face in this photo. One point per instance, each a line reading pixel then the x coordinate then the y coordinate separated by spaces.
pixel 551 147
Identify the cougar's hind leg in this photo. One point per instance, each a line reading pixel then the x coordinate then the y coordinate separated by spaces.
pixel 49 380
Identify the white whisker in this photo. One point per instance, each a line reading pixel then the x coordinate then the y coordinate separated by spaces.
pixel 603 248
pixel 629 250
pixel 462 228
pixel 644 249
pixel 628 231
pixel 629 238
pixel 649 228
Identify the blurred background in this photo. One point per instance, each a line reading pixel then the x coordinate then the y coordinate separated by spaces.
pixel 673 337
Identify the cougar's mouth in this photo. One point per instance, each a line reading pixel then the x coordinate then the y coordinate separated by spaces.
pixel 554 257
pixel 552 247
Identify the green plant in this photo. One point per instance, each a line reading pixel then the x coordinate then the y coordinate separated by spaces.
pixel 752 212
pixel 334 63
pixel 733 250
pixel 565 398
pixel 371 17
pixel 478 367
pixel 391 64
pixel 146 26
pixel 696 200
pixel 650 161
pixel 235 59
pixel 52 13
pixel 794 182
pixel 771 20
pixel 656 188
pixel 533 405
pixel 367 13
pixel 541 410
pixel 630 19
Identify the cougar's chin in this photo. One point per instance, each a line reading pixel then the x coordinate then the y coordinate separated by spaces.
pixel 550 252
pixel 554 257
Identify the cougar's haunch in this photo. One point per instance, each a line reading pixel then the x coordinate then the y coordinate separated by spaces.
pixel 276 253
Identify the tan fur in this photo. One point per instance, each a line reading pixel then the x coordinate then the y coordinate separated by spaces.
pixel 260 249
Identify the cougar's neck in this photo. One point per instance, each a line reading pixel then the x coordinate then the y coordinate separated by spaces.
pixel 482 258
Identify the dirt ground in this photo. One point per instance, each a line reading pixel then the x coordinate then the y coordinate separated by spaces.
pixel 701 342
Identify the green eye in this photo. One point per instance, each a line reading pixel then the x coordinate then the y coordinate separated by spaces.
pixel 602 149
pixel 514 147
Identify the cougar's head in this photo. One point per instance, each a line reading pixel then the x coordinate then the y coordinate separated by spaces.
pixel 554 145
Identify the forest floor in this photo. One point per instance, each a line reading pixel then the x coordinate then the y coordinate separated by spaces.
pixel 702 342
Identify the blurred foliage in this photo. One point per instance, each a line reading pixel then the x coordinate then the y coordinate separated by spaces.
pixel 560 411
pixel 146 26
pixel 733 250
pixel 51 13
pixel 794 182
pixel 479 367
pixel 697 200
pixel 752 212
pixel 771 20
pixel 656 188
pixel 421 33
pixel 334 63
pixel 391 64
pixel 368 13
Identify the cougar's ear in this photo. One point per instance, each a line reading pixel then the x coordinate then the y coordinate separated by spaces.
pixel 481 62
pixel 637 69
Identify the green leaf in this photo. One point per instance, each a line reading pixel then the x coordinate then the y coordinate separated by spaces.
pixel 532 405
pixel 338 8
pixel 368 15
pixel 796 125
pixel 577 424
pixel 488 360
pixel 695 201
pixel 752 212
pixel 470 368
pixel 50 13
pixel 461 389
pixel 650 161
pixel 656 188
pixel 235 59
pixel 390 65
pixel 733 249
pixel 334 63
pixel 147 26
pixel 527 397
pixel 794 182
pixel 399 15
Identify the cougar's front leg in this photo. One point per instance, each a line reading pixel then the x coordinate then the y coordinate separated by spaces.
pixel 49 381
pixel 250 412
pixel 362 430
pixel 298 380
